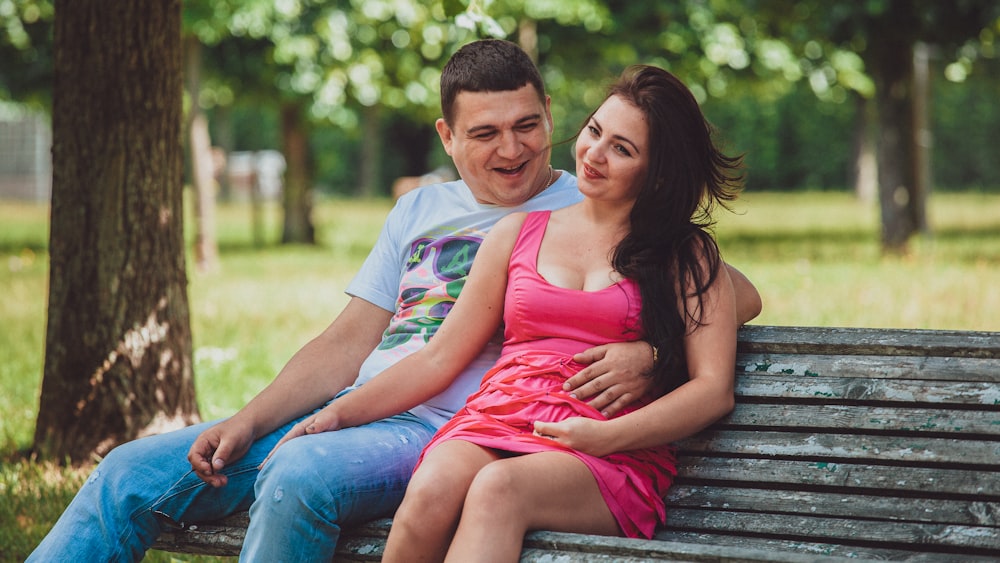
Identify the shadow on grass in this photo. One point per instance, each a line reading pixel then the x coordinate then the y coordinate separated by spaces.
pixel 19 246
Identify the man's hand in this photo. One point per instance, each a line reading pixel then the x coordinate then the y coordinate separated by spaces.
pixel 215 447
pixel 615 376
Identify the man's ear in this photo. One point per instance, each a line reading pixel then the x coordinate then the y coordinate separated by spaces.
pixel 445 133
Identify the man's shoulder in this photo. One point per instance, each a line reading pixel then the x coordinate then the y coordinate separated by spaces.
pixel 453 192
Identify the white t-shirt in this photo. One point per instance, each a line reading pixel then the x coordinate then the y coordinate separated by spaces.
pixel 419 265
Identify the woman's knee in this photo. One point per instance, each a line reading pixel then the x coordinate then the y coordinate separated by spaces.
pixel 426 492
pixel 494 489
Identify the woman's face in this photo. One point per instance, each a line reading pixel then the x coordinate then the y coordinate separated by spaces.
pixel 612 151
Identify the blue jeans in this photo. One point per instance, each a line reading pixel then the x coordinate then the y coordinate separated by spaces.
pixel 308 489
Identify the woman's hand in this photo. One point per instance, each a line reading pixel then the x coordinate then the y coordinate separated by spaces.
pixel 580 433
pixel 324 420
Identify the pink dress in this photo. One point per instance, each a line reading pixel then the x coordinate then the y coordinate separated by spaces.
pixel 545 326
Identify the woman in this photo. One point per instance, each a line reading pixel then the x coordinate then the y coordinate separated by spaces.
pixel 633 260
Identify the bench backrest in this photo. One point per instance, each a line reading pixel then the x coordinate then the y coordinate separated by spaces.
pixel 851 442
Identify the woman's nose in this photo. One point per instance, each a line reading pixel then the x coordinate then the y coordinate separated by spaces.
pixel 596 152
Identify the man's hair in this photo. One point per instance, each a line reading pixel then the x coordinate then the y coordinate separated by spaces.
pixel 487 65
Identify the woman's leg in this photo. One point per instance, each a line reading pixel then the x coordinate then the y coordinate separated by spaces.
pixel 546 490
pixel 426 519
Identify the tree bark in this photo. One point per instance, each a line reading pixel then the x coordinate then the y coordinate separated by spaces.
pixel 118 338
pixel 298 225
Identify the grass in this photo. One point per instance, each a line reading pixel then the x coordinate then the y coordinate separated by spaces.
pixel 817 261
pixel 814 256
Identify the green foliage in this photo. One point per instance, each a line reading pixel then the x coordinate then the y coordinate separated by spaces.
pixel 964 126
pixel 779 139
pixel 26 50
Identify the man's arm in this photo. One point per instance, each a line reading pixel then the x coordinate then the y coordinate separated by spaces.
pixel 315 374
pixel 616 374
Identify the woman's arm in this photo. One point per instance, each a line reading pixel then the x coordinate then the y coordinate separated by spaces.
pixel 703 399
pixel 466 329
pixel 748 302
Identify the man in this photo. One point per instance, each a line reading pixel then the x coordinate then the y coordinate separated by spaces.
pixel 496 126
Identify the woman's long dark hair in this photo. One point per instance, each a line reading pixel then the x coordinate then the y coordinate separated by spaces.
pixel 669 243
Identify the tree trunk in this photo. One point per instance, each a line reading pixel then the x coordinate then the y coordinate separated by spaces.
pixel 891 61
pixel 527 37
pixel 864 174
pixel 371 152
pixel 118 339
pixel 298 226
pixel 923 138
pixel 206 248
pixel 223 121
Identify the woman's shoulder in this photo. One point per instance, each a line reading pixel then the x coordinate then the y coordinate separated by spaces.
pixel 511 223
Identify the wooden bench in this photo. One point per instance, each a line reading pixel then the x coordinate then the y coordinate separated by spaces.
pixel 845 443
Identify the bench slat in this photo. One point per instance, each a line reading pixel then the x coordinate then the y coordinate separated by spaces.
pixel 858 418
pixel 912 449
pixel 367 542
pixel 855 390
pixel 869 341
pixel 817 549
pixel 841 530
pixel 940 511
pixel 878 367
pixel 976 485
pixel 555 547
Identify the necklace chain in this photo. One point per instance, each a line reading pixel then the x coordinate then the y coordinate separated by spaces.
pixel 551 179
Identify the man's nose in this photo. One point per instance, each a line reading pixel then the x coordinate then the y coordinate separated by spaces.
pixel 510 145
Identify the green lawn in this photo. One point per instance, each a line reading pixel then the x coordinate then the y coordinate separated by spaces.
pixel 814 256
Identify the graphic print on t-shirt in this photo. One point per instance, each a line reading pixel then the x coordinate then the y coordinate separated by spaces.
pixel 435 274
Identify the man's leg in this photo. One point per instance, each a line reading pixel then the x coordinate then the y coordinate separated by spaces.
pixel 141 488
pixel 314 484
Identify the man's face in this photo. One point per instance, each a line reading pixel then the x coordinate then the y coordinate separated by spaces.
pixel 500 142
